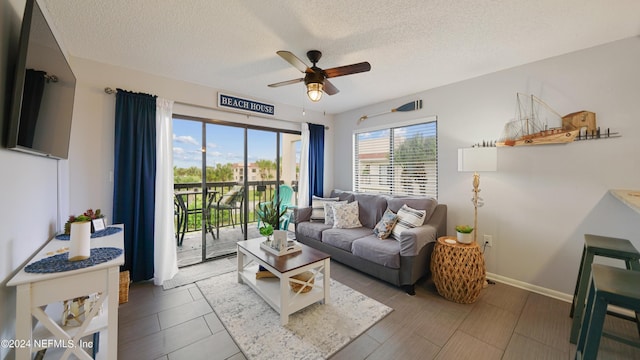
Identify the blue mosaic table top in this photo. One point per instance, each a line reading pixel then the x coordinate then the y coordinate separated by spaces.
pixel 60 262
pixel 106 232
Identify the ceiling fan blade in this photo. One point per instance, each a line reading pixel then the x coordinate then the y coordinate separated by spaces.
pixel 347 69
pixel 293 60
pixel 288 82
pixel 329 88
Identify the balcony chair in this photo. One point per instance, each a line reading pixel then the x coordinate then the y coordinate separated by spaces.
pixel 231 201
pixel 285 193
pixel 181 218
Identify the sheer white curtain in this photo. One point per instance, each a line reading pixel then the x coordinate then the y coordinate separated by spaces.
pixel 303 184
pixel 165 258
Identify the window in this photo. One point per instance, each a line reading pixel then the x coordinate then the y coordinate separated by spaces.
pixel 400 160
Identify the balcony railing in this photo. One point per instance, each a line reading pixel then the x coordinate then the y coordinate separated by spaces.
pixel 196 199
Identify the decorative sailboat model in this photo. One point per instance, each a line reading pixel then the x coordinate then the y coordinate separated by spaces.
pixel 531 126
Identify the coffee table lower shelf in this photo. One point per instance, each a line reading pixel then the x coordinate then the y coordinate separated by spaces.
pixel 269 290
pixel 276 291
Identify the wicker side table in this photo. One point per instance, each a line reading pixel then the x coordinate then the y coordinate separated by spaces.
pixel 458 270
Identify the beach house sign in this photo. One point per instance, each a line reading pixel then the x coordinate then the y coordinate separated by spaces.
pixel 238 103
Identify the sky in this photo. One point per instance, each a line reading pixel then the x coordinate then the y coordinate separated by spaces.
pixel 225 144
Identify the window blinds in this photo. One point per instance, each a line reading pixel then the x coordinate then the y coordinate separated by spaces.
pixel 398 160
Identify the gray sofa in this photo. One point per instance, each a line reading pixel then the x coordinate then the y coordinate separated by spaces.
pixel 400 263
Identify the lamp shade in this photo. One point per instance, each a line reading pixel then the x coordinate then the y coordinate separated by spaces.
pixel 478 159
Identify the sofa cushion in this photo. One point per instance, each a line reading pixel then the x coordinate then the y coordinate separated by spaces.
pixel 419 203
pixel 329 215
pixel 317 205
pixel 385 253
pixel 346 216
pixel 385 225
pixel 408 218
pixel 312 230
pixel 342 238
pixel 372 206
pixel 343 195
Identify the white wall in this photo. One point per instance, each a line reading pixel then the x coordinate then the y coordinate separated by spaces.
pixel 542 199
pixel 29 209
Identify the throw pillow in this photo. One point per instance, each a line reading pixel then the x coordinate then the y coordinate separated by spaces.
pixel 328 211
pixel 317 207
pixel 346 216
pixel 407 218
pixel 385 225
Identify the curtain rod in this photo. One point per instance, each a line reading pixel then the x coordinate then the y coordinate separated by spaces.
pixel 112 91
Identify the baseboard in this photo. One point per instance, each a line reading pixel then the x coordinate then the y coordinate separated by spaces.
pixel 533 288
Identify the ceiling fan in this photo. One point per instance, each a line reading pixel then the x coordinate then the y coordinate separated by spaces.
pixel 315 78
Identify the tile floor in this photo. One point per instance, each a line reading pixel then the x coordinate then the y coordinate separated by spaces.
pixel 505 323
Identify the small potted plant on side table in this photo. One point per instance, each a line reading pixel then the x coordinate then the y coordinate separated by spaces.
pixel 465 234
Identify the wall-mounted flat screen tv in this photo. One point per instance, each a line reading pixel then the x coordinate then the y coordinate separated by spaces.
pixel 42 103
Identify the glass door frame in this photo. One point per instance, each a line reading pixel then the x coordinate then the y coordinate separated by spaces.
pixel 245 209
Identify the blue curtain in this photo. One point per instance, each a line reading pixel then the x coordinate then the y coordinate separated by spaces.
pixel 316 160
pixel 134 179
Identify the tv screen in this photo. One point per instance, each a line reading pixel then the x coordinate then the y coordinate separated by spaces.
pixel 42 103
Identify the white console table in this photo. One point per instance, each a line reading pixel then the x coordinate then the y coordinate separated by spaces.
pixel 36 290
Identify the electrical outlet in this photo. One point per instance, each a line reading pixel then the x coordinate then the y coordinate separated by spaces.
pixel 488 240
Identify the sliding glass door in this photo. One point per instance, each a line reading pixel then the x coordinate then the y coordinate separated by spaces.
pixel 224 159
pixel 222 172
pixel 188 194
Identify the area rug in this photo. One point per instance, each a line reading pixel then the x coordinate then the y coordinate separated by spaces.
pixel 191 274
pixel 316 332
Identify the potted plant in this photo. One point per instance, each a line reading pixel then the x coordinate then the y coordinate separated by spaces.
pixel 465 234
pixel 72 219
pixel 270 213
pixel 266 230
pixel 87 216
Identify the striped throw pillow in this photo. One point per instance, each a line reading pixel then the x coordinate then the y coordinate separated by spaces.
pixel 317 207
pixel 407 218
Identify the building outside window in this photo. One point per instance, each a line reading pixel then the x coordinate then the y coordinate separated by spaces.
pixel 398 160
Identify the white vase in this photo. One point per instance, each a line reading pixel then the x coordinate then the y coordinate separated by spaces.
pixel 80 242
pixel 280 238
pixel 465 238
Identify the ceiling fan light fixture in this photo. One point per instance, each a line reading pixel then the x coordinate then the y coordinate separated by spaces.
pixel 314 91
pixel 315 78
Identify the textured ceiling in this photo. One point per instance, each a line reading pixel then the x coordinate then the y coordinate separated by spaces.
pixel 412 45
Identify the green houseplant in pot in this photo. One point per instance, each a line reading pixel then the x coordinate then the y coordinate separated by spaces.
pixel 464 234
pixel 266 230
pixel 88 215
pixel 269 213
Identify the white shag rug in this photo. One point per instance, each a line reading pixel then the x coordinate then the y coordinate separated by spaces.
pixel 316 332
pixel 189 274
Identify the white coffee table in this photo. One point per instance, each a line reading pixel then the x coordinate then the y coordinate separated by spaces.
pixel 276 291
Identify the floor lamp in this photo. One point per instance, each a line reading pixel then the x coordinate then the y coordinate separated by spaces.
pixel 477 159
